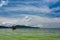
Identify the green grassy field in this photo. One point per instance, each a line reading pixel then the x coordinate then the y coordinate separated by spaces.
pixel 29 34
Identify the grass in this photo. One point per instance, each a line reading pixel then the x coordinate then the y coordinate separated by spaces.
pixel 29 34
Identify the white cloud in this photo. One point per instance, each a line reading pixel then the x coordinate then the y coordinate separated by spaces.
pixel 27 18
pixel 55 9
pixel 50 1
pixel 38 2
pixel 3 3
pixel 35 21
pixel 30 8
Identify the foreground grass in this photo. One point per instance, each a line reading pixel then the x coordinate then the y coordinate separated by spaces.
pixel 28 34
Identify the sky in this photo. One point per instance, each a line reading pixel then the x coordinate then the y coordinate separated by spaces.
pixel 35 13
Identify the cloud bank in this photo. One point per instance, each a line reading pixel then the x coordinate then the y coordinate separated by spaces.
pixel 30 20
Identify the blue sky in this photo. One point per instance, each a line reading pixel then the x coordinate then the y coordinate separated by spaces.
pixel 37 13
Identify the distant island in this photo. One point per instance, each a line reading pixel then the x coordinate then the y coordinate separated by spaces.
pixel 18 26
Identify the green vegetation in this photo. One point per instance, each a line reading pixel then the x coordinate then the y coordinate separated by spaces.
pixel 29 34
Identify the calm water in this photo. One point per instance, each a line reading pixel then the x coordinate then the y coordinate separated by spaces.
pixel 53 31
